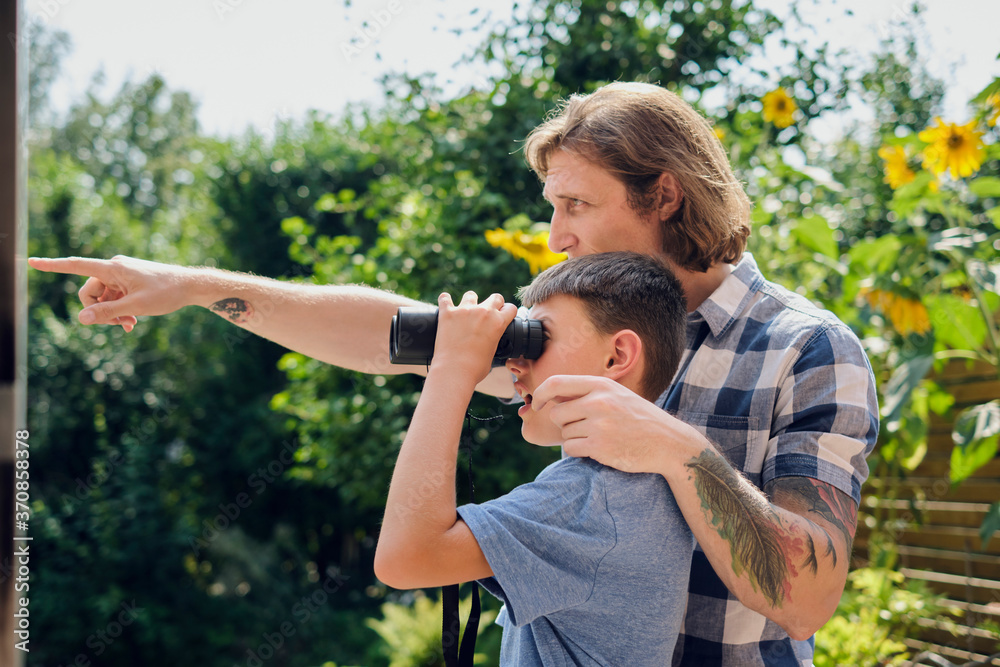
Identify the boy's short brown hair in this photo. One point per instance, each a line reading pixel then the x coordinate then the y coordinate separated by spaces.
pixel 624 290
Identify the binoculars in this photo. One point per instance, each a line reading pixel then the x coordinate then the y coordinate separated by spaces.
pixel 414 328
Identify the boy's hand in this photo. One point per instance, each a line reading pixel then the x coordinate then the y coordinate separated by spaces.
pixel 468 334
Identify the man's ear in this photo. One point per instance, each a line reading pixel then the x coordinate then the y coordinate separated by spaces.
pixel 624 362
pixel 670 197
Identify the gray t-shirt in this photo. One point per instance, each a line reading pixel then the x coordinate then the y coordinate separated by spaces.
pixel 591 563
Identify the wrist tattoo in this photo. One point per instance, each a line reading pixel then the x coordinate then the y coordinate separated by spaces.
pixel 236 310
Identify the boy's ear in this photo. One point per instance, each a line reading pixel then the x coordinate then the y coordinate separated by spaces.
pixel 624 361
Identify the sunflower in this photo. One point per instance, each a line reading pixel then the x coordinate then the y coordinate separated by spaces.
pixel 719 133
pixel 993 109
pixel 531 247
pixel 957 149
pixel 778 108
pixel 906 315
pixel 897 172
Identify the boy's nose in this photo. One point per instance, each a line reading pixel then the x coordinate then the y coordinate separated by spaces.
pixel 517 365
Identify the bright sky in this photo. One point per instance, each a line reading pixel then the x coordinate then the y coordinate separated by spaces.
pixel 249 62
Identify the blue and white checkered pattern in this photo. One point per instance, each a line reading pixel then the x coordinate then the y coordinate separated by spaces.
pixel 782 388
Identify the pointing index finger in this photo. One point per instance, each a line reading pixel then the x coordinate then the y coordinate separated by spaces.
pixel 81 266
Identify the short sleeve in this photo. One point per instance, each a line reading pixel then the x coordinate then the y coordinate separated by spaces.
pixel 826 414
pixel 545 540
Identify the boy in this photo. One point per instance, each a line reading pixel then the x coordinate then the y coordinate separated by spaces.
pixel 591 563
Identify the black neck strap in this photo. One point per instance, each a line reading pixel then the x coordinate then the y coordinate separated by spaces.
pixel 451 622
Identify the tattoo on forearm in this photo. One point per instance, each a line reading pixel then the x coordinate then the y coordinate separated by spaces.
pixel 811 562
pixel 238 311
pixel 832 505
pixel 758 545
pixel 762 544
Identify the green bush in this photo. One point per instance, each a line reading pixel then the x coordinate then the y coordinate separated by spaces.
pixel 411 632
pixel 878 610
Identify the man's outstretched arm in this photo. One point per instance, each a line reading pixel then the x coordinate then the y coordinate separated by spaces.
pixel 343 325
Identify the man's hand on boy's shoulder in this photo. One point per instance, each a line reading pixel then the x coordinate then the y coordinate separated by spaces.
pixel 468 333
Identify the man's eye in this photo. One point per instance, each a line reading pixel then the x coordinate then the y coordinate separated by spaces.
pixel 576 202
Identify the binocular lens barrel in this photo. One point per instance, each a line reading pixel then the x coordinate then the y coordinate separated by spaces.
pixel 413 330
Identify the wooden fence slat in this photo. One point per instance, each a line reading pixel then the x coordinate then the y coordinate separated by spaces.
pixel 938 536
pixel 973 393
pixel 972 490
pixel 954 579
pixel 938 466
pixel 958 371
pixel 950 652
pixel 981 566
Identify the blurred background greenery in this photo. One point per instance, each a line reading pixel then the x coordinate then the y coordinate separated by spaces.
pixel 231 491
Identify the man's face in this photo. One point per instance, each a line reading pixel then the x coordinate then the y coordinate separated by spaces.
pixel 572 347
pixel 591 211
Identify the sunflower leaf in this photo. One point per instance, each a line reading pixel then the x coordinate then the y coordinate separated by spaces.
pixel 985 186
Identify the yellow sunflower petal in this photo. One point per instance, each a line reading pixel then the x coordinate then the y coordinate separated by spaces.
pixel 532 248
pixel 897 172
pixel 907 316
pixel 957 149
pixel 779 108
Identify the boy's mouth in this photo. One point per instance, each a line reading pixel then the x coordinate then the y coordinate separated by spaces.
pixel 524 393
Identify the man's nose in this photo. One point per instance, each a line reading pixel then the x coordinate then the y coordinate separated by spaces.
pixel 559 238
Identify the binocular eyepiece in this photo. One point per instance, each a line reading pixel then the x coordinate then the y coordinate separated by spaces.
pixel 413 330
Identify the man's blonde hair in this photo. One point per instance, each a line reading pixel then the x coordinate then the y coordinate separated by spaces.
pixel 638 131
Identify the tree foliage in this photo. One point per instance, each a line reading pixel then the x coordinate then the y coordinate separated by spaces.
pixel 233 490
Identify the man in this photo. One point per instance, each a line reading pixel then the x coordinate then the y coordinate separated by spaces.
pixel 769 418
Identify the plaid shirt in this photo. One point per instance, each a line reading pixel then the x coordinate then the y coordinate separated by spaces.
pixel 781 388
